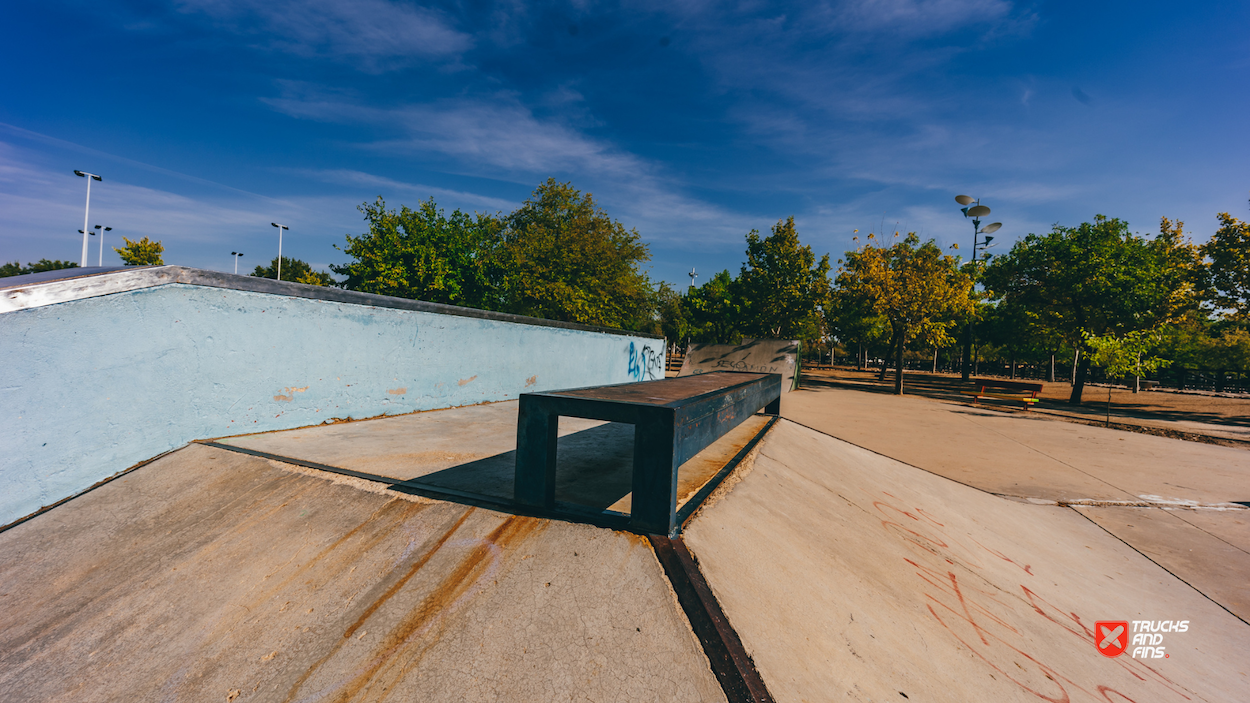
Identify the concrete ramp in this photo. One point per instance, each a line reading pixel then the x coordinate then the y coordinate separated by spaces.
pixel 852 576
pixel 210 575
pixel 757 356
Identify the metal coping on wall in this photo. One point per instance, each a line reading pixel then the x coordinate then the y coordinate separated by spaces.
pixel 47 288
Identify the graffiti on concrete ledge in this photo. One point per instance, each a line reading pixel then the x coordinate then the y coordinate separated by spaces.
pixel 645 365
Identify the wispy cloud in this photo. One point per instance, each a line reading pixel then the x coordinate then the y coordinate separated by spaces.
pixel 370 32
pixel 387 186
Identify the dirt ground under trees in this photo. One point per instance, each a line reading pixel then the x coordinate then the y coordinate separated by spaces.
pixel 1164 412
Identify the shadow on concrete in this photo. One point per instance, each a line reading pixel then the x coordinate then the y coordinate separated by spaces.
pixel 594 469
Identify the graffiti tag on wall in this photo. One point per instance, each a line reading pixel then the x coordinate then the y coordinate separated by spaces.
pixel 647 364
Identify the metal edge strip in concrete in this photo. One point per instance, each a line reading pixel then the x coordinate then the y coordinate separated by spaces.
pixel 18 295
pixel 729 660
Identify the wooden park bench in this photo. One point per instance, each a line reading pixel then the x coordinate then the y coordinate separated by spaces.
pixel 673 419
pixel 1024 392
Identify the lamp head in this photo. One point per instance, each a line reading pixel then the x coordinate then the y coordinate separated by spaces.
pixel 96 177
pixel 108 229
pixel 992 227
pixel 977 211
pixel 80 174
pixel 99 226
pixel 964 199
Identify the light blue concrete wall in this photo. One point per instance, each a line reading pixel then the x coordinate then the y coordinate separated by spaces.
pixel 90 387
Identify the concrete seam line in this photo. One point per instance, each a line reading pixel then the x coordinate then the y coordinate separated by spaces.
pixel 918 468
pixel 734 669
pixel 88 489
pixel 1161 566
pixel 564 512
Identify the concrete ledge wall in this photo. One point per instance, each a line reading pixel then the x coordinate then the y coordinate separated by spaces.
pixel 101 372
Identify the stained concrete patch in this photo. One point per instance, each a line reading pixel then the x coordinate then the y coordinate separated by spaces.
pixel 849 575
pixel 209 574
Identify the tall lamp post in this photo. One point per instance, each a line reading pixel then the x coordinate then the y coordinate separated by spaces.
pixel 237 254
pixel 86 212
pixel 693 276
pixel 101 233
pixel 280 228
pixel 972 208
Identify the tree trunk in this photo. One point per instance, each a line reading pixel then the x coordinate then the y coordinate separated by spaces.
pixel 859 358
pixel 1052 368
pixel 967 355
pixel 885 360
pixel 935 351
pixel 898 366
pixel 1076 356
pixel 1078 382
pixel 1013 365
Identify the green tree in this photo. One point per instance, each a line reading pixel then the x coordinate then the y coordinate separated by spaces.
pixel 1094 279
pixel 673 316
pixel 1123 355
pixel 714 309
pixel 294 270
pixel 143 252
pixel 16 268
pixel 1229 250
pixel 917 288
pixel 782 286
pixel 564 258
pixel 423 254
pixel 853 319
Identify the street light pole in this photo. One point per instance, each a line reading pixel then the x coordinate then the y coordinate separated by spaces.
pixel 280 228
pixel 236 255
pixel 973 208
pixel 105 229
pixel 86 212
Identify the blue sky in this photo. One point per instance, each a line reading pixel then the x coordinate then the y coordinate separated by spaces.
pixel 692 122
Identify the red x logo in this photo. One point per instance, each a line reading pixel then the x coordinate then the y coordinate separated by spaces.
pixel 1111 637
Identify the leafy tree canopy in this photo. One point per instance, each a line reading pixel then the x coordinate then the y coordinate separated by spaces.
pixel 918 289
pixel 1229 250
pixel 564 258
pixel 143 252
pixel 16 268
pixel 715 310
pixel 294 270
pixel 1097 279
pixel 783 287
pixel 423 254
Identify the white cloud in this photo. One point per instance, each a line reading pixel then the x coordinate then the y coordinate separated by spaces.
pixel 369 31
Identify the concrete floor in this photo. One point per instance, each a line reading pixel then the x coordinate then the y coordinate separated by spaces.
pixel 851 576
pixel 850 572
pixel 1206 542
pixel 472 449
pixel 213 576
